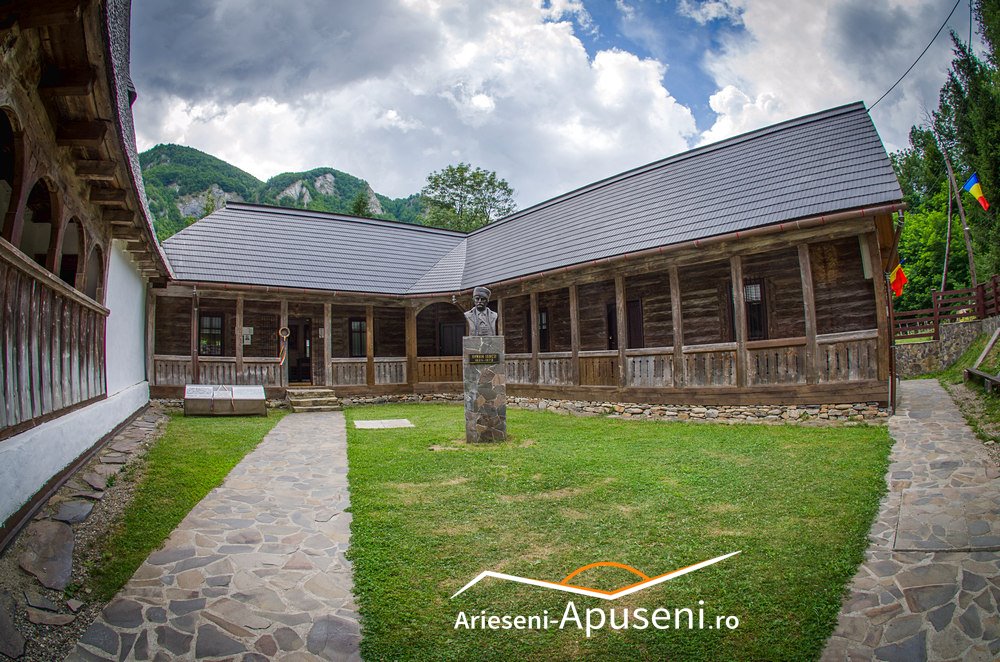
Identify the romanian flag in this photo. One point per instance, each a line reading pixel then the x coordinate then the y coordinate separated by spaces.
pixel 897 279
pixel 973 186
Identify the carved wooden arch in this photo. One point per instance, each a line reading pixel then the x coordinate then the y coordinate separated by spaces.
pixel 102 277
pixel 69 219
pixel 417 309
pixel 55 213
pixel 14 216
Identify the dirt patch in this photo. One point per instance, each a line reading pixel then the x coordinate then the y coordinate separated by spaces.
pixel 55 642
pixel 573 514
pixel 973 406
pixel 563 493
pixel 722 508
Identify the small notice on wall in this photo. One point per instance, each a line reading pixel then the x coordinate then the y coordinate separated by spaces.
pixel 484 359
pixel 247 339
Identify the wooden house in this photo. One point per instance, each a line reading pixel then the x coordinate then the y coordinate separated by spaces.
pixel 749 271
pixel 77 252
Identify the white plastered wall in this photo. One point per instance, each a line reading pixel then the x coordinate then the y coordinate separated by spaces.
pixel 29 460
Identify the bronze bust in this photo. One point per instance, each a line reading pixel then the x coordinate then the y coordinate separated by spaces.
pixel 481 321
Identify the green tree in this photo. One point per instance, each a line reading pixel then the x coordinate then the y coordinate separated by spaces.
pixel 464 198
pixel 361 205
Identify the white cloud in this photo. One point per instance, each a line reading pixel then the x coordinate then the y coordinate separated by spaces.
pixel 508 87
pixel 706 11
pixel 796 58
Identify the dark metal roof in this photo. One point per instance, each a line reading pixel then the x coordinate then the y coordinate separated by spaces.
pixel 261 245
pixel 819 164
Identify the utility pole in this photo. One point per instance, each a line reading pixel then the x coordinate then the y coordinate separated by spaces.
pixel 961 213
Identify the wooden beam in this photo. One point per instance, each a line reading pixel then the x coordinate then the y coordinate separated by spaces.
pixel 678 323
pixel 107 196
pixel 57 82
pixel 34 14
pixel 500 317
pixel 739 319
pixel 126 232
pixel 881 307
pixel 809 312
pixel 574 331
pixel 412 377
pixel 328 344
pixel 118 216
pixel 370 344
pixel 150 336
pixel 96 169
pixel 238 323
pixel 195 327
pixel 81 133
pixel 535 341
pixel 284 325
pixel 621 332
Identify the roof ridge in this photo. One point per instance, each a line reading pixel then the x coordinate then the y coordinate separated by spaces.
pixel 459 247
pixel 680 156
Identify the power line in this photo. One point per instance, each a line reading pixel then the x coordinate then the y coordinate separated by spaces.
pixel 933 39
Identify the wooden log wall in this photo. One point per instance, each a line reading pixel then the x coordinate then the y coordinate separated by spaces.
pixel 173 326
pixel 517 340
pixel 265 321
pixel 227 309
pixel 845 299
pixel 779 270
pixel 653 291
pixel 341 321
pixel 428 325
pixel 390 333
pixel 53 347
pixel 556 302
pixel 594 300
pixel 705 303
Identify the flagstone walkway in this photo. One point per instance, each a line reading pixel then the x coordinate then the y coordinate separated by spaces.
pixel 929 587
pixel 256 571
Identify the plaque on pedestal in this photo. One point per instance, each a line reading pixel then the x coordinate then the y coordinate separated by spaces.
pixel 485 389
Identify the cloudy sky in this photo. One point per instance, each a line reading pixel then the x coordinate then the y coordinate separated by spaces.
pixel 550 94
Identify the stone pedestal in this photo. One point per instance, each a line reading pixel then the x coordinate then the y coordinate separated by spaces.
pixel 485 389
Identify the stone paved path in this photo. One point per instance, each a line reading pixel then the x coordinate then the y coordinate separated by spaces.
pixel 929 588
pixel 256 571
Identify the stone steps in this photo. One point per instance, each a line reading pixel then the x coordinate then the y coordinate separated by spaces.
pixel 312 399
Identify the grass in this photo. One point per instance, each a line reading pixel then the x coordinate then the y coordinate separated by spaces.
pixel 566 491
pixel 953 373
pixel 192 457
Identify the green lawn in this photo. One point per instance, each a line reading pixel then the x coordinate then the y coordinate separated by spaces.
pixel 192 457
pixel 566 492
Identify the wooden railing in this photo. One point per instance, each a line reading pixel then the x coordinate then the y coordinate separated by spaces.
pixel 350 372
pixel 779 361
pixel 518 368
pixel 390 370
pixel 169 370
pixel 599 368
pixel 555 368
pixel 972 303
pixel 439 368
pixel 710 365
pixel 52 356
pixel 650 367
pixel 847 357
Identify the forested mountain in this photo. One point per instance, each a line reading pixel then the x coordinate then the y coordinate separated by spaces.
pixel 965 127
pixel 184 184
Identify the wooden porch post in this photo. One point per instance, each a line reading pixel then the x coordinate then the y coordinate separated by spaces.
pixel 533 299
pixel 622 329
pixel 500 317
pixel 195 324
pixel 284 324
pixel 370 344
pixel 150 336
pixel 678 321
pixel 574 331
pixel 881 306
pixel 328 344
pixel 412 378
pixel 740 319
pixel 239 339
pixel 809 311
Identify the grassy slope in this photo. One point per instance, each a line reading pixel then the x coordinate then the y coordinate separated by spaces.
pixel 570 491
pixel 193 457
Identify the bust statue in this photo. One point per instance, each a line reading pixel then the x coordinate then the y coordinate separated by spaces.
pixel 481 320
